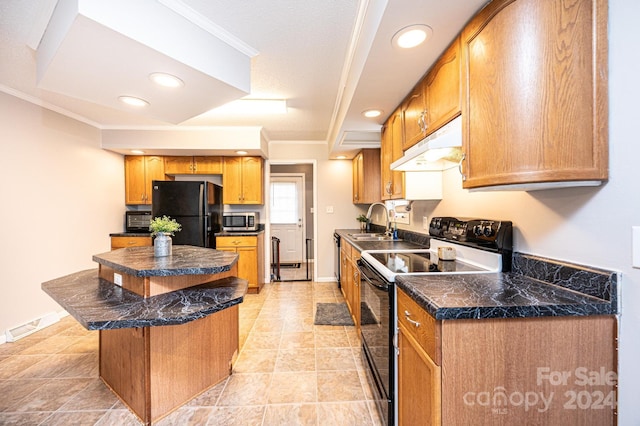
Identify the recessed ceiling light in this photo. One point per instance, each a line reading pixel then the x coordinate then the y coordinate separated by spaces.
pixel 412 36
pixel 137 151
pixel 372 113
pixel 133 101
pixel 341 157
pixel 241 152
pixel 166 80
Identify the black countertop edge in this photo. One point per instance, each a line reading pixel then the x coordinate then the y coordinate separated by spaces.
pixel 239 233
pixel 100 305
pixel 130 234
pixel 500 295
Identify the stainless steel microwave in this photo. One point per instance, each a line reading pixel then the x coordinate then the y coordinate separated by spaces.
pixel 240 221
pixel 137 221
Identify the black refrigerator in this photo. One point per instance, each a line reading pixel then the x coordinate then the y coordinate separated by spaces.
pixel 197 206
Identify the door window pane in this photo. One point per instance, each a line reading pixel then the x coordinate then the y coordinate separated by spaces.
pixel 284 203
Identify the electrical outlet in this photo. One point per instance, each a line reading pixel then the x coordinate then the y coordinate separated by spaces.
pixel 330 209
pixel 117 279
pixel 425 222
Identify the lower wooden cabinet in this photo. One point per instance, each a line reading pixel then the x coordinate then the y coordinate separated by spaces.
pixel 350 280
pixel 126 241
pixel 251 257
pixel 505 371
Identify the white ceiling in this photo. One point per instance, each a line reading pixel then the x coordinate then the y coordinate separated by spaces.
pixel 329 59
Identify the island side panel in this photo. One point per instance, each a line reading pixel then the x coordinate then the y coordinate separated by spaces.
pixel 153 286
pixel 124 367
pixel 549 370
pixel 190 358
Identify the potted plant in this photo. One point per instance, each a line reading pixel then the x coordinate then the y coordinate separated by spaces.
pixel 162 228
pixel 363 222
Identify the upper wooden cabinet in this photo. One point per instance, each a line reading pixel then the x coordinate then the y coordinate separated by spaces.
pixel 366 177
pixel 202 165
pixel 414 116
pixel 392 182
pixel 535 94
pixel 443 90
pixel 435 100
pixel 242 180
pixel 139 172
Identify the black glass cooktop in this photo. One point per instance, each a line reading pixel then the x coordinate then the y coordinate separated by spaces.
pixel 402 263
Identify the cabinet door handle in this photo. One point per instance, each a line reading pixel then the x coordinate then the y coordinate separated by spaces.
pixel 407 314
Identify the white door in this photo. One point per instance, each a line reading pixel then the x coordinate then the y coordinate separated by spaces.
pixel 287 215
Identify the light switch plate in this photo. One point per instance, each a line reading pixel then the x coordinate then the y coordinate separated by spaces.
pixel 425 222
pixel 635 246
pixel 330 209
pixel 117 279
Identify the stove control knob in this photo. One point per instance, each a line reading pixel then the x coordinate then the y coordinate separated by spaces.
pixel 477 230
pixel 488 231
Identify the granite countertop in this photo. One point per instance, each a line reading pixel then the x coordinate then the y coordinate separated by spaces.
pixel 130 234
pixel 535 287
pixel 100 305
pixel 501 295
pixel 185 260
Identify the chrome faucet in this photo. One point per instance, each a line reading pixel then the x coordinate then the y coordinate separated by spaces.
pixel 387 230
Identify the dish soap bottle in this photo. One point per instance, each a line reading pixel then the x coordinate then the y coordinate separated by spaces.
pixel 395 231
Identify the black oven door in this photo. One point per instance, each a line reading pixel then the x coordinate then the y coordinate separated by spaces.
pixel 376 324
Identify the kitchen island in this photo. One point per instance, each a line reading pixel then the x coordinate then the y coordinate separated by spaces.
pixel 168 325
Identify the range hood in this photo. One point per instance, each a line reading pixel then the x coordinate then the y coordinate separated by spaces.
pixel 435 152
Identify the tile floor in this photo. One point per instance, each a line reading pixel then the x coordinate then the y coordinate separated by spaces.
pixel 288 372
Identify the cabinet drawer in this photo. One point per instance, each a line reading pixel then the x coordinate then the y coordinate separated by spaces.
pixel 246 241
pixel 422 326
pixel 122 242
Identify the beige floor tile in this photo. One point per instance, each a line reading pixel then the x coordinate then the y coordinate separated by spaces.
pixel 260 340
pixel 51 396
pixel 345 413
pixel 86 344
pixel 73 418
pixel 339 386
pixel 245 389
pixel 332 338
pixel 291 415
pixel 96 396
pixel 334 359
pixel 262 361
pixel 297 340
pixel 292 388
pixel 16 364
pixel 236 416
pixel 51 345
pixel 296 360
pixel 120 417
pixel 193 416
pixel 15 390
pixel 23 419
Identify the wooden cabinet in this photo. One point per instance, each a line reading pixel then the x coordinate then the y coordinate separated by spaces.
pixel 418 374
pixel 392 182
pixel 435 100
pixel 366 177
pixel 414 115
pixel 535 94
pixel 242 180
pixel 202 165
pixel 139 172
pixel 478 371
pixel 251 257
pixel 123 242
pixel 350 280
pixel 443 89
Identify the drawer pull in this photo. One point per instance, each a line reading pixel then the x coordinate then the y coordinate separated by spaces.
pixel 407 314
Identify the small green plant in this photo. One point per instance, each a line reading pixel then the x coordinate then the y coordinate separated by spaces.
pixel 164 225
pixel 362 218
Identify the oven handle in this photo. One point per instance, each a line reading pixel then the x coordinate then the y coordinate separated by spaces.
pixel 363 273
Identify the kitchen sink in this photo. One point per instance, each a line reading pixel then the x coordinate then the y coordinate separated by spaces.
pixel 371 237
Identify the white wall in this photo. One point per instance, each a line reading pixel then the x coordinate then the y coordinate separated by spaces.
pixel 61 197
pixel 590 226
pixel 333 186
